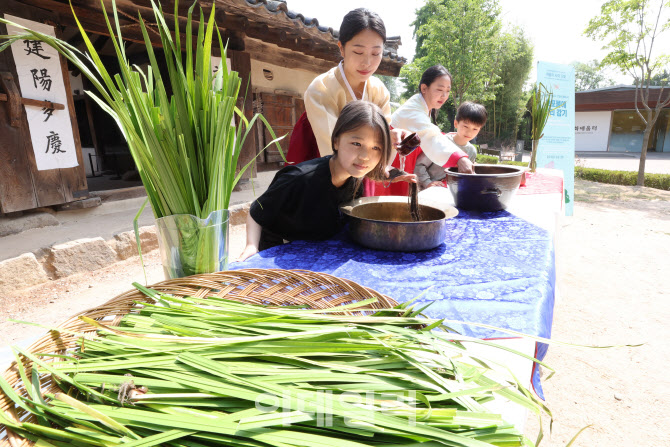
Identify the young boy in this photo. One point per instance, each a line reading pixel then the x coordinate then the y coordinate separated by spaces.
pixel 470 118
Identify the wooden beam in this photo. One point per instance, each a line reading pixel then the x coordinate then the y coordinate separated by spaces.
pixel 230 35
pixel 100 42
pixel 90 11
pixel 230 21
pixel 33 102
pixel 90 15
pixel 76 40
pixel 272 54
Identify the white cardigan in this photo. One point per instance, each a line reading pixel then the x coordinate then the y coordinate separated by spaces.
pixel 414 117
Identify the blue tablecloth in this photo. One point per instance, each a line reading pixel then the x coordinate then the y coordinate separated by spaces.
pixel 494 268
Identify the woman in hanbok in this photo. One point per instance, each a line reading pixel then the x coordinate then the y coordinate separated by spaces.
pixel 419 114
pixel 361 43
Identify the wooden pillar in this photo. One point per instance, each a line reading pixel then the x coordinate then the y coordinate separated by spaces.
pixel 16 179
pixel 241 63
pixel 90 118
pixel 75 186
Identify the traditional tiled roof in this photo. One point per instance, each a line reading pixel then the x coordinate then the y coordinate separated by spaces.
pixel 309 23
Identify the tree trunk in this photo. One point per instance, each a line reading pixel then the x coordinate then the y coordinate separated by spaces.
pixel 643 154
pixel 494 118
pixel 502 119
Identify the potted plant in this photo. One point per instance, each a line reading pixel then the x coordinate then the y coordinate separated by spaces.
pixel 186 144
pixel 541 101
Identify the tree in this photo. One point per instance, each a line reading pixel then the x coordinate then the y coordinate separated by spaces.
pixel 422 16
pixel 590 75
pixel 509 103
pixel 660 79
pixel 390 83
pixel 489 65
pixel 465 37
pixel 630 30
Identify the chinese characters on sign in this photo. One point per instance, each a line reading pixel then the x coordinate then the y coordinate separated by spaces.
pixel 41 78
pixel 35 47
pixel 48 113
pixel 54 143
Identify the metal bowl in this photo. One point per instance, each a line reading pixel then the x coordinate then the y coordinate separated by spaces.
pixel 490 188
pixel 384 223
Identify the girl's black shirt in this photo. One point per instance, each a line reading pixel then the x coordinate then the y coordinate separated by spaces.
pixel 302 203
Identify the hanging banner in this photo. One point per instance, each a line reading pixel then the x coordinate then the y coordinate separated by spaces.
pixel 41 78
pixel 556 149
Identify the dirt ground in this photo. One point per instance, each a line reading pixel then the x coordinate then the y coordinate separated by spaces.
pixel 613 263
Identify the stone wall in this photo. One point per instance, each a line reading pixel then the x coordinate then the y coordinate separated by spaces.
pixel 83 255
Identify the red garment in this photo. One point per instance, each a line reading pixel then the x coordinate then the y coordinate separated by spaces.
pixel 303 145
pixel 372 188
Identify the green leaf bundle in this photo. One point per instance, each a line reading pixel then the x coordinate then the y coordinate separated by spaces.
pixel 209 372
pixel 541 102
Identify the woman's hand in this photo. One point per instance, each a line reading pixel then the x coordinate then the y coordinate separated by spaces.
pixel 397 135
pixel 405 177
pixel 249 251
pixel 435 183
pixel 465 166
pixel 409 178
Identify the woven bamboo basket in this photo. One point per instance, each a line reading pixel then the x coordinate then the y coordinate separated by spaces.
pixel 252 286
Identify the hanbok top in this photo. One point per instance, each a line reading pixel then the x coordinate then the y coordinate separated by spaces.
pixel 327 95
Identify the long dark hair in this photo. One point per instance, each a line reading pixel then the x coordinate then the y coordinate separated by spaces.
pixel 357 114
pixel 359 20
pixel 428 77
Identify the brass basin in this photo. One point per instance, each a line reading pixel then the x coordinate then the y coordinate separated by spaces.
pixel 384 223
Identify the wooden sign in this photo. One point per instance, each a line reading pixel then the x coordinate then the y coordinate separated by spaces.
pixel 41 81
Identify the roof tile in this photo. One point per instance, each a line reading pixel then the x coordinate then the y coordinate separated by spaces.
pixel 280 6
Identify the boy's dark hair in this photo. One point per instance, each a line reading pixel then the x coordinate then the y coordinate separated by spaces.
pixel 359 20
pixel 428 77
pixel 472 112
pixel 363 113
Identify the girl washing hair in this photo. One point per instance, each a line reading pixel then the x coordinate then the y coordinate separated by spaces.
pixel 303 200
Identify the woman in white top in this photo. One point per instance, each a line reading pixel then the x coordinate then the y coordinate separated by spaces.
pixel 416 114
pixel 361 43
